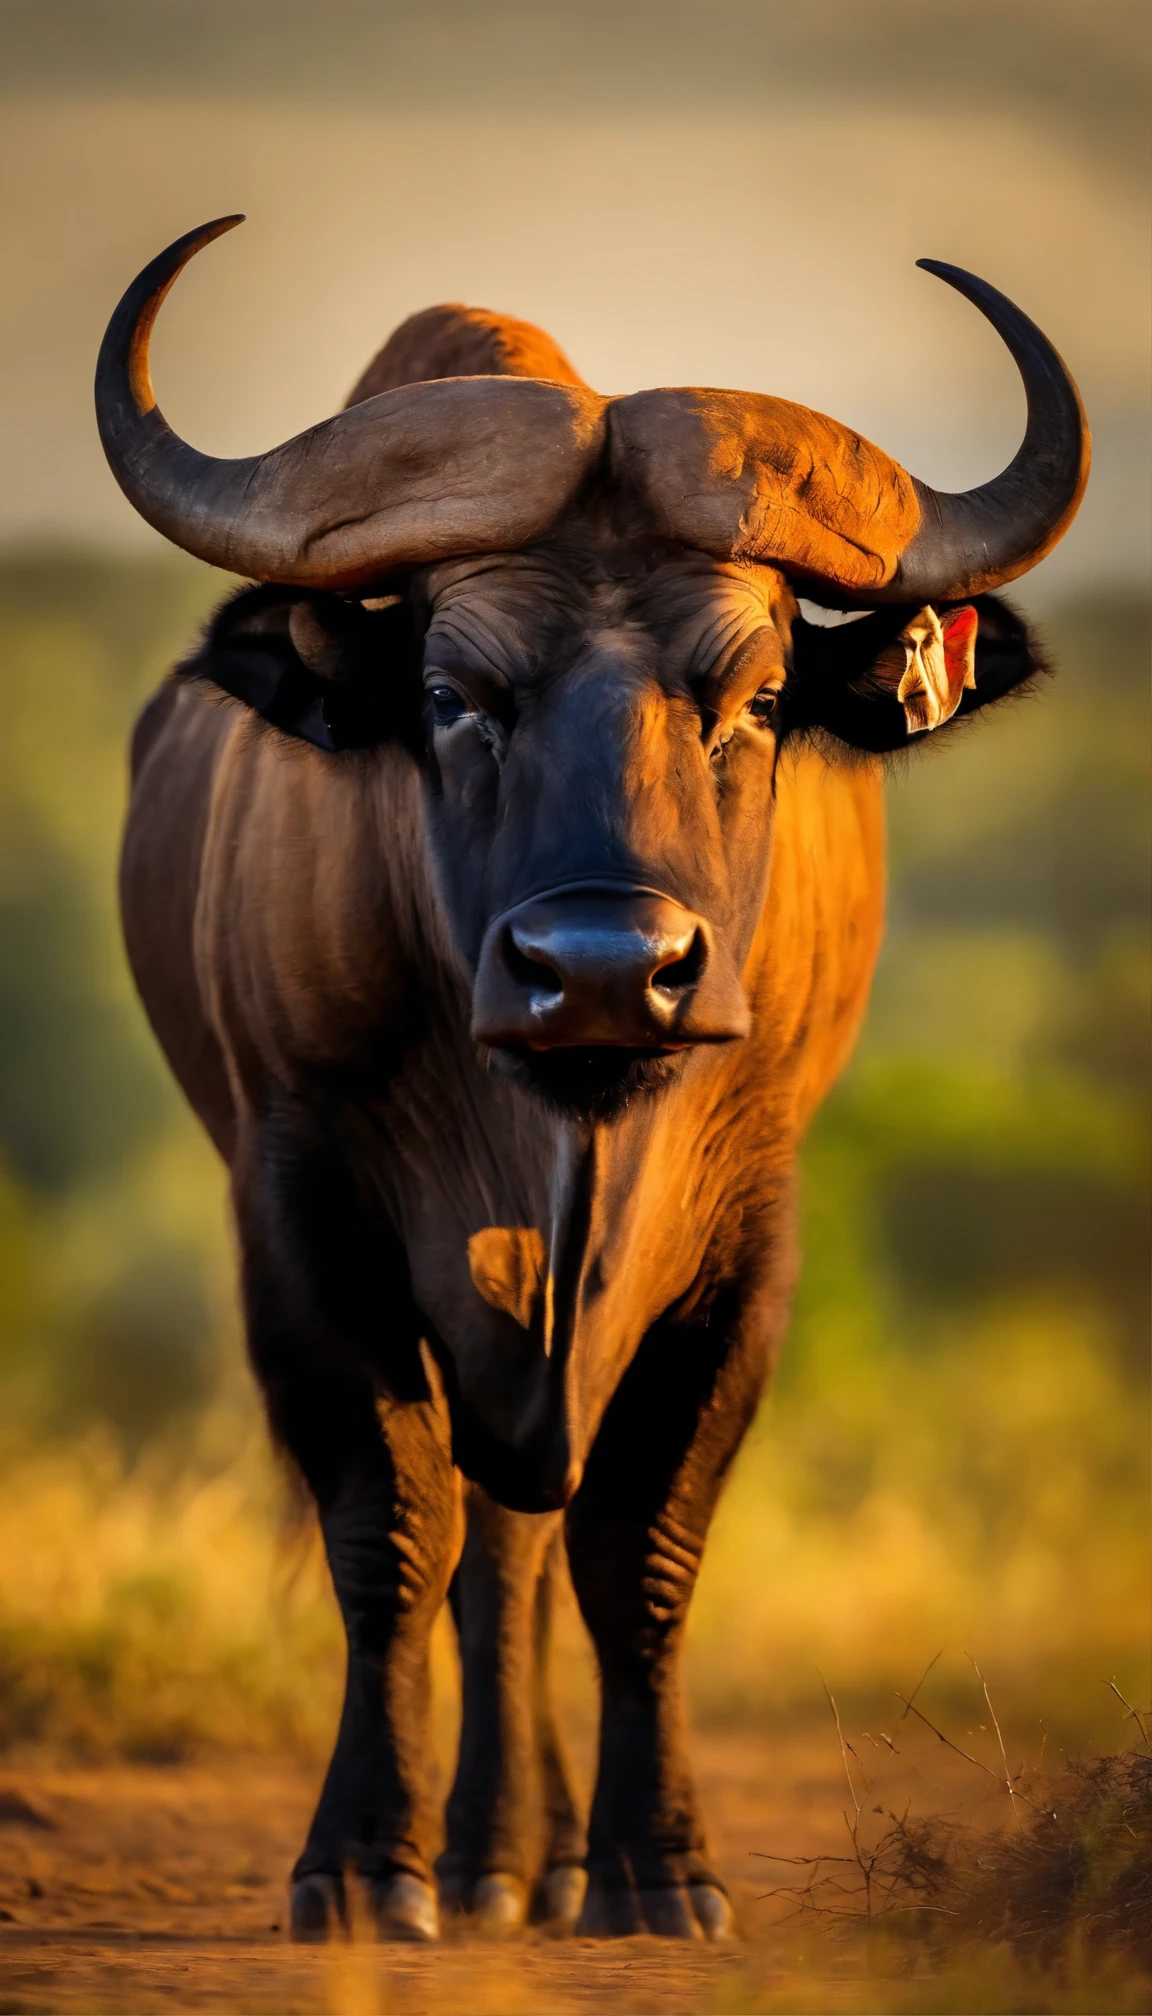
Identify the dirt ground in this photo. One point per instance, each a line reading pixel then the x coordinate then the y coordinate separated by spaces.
pixel 139 1889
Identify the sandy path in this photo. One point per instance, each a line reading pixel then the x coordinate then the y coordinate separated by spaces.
pixel 136 1889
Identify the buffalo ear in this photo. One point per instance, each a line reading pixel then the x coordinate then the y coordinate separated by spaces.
pixel 317 667
pixel 325 638
pixel 881 682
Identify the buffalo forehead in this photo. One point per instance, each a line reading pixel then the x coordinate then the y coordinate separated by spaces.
pixel 758 478
pixel 578 600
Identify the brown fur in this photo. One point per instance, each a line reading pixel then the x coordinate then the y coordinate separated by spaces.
pixel 320 953
pixel 439 1269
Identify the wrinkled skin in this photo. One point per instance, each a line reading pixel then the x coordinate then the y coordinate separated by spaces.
pixel 558 1270
pixel 608 719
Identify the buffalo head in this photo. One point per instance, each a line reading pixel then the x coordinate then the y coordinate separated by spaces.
pixel 598 599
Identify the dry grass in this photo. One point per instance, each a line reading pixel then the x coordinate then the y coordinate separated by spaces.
pixel 990 1493
pixel 154 1618
pixel 163 1611
pixel 1076 1874
pixel 923 1912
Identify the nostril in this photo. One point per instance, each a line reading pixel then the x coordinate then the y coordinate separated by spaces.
pixel 684 972
pixel 526 966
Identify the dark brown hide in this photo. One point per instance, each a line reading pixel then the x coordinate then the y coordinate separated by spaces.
pixel 320 948
pixel 463 1260
pixel 388 1183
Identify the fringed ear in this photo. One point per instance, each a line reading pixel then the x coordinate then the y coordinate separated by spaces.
pixel 320 668
pixel 878 682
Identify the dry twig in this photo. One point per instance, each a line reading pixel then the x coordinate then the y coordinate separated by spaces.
pixel 968 1757
pixel 1132 1712
pixel 1008 1784
pixel 870 1863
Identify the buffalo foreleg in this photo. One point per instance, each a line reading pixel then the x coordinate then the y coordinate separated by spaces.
pixel 512 1821
pixel 636 1533
pixel 389 1535
pixel 379 1467
pixel 388 1512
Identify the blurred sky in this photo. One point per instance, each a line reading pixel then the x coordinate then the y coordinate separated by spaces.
pixel 682 192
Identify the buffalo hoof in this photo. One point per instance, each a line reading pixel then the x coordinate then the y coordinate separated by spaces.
pixel 405 1908
pixel 499 1905
pixel 669 1914
pixel 319 1910
pixel 560 1898
pixel 608 1913
pixel 714 1914
pixel 668 1911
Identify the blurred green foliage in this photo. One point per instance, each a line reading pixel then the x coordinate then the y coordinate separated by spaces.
pixel 991 1136
pixel 103 1304
pixel 961 1407
pixel 80 640
pixel 957 1449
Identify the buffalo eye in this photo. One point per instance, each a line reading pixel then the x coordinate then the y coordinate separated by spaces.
pixel 762 705
pixel 447 704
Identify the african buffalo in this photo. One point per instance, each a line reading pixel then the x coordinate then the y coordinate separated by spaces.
pixel 504 937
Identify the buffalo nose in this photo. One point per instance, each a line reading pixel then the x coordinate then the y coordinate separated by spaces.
pixel 628 970
pixel 599 951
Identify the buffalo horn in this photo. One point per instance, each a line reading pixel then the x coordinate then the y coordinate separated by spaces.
pixel 973 540
pixel 414 475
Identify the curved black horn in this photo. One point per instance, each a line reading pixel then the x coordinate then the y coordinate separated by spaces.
pixel 973 540
pixel 416 474
pixel 193 499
